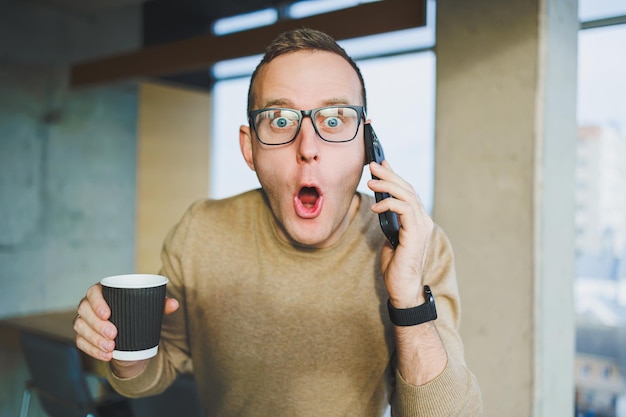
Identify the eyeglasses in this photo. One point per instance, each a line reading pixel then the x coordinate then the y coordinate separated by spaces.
pixel 279 126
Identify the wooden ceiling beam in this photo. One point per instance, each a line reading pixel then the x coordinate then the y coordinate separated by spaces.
pixel 201 52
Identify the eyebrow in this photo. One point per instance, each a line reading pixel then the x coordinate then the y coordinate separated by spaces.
pixel 288 103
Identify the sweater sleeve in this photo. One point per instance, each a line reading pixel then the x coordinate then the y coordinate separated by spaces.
pixel 455 392
pixel 173 356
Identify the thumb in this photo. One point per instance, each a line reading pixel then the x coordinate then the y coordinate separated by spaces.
pixel 171 305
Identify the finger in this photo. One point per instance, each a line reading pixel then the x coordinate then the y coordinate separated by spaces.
pixel 397 191
pixel 93 351
pixel 385 172
pixel 415 223
pixel 92 343
pixel 403 201
pixel 92 336
pixel 97 302
pixel 397 187
pixel 171 305
pixel 87 315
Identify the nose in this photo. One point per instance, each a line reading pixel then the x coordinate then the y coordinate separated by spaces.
pixel 307 142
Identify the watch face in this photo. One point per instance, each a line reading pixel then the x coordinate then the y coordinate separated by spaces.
pixel 428 294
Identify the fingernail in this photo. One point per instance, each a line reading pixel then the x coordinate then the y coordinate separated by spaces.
pixel 106 346
pixel 109 332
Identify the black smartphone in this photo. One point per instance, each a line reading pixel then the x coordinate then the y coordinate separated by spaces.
pixel 374 152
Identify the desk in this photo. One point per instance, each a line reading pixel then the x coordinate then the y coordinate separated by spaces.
pixel 58 325
pixel 55 324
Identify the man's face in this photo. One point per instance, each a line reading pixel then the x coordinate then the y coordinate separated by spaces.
pixel 310 183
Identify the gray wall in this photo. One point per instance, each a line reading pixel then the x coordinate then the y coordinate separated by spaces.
pixel 67 165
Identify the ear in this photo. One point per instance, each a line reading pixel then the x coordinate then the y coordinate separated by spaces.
pixel 245 144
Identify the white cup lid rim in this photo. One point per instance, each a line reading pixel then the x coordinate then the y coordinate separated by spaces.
pixel 134 281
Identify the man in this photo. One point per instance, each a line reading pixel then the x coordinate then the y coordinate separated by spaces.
pixel 280 296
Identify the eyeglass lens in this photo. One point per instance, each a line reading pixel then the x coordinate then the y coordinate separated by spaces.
pixel 333 124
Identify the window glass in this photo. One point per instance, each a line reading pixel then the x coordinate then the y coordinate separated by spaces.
pixel 309 8
pixel 600 284
pixel 246 21
pixel 229 173
pixel 384 44
pixel 401 106
pixel 600 9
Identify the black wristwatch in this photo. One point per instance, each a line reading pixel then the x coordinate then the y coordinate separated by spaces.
pixel 414 315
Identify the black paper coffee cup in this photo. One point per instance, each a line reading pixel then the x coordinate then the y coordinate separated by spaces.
pixel 136 302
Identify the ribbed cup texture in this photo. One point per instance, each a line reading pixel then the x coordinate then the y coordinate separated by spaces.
pixel 138 314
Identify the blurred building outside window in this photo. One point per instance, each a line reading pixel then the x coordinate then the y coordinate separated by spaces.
pixel 600 223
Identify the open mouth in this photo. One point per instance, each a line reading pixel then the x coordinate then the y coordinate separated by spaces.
pixel 308 196
pixel 308 202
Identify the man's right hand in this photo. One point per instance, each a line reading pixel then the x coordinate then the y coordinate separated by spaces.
pixel 95 334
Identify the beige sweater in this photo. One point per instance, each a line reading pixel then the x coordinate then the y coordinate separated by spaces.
pixel 275 330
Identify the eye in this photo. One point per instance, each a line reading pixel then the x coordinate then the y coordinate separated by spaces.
pixel 280 122
pixel 332 122
pixel 330 118
pixel 283 119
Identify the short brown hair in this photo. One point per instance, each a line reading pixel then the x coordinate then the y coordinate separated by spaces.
pixel 303 39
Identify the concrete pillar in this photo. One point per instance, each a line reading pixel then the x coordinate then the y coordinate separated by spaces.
pixel 504 193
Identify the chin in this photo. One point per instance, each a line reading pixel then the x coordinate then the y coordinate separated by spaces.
pixel 310 237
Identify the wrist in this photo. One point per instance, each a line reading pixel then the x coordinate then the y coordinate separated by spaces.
pixel 407 300
pixel 415 315
pixel 127 369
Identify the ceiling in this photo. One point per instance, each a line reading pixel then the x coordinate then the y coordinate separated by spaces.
pixel 169 20
pixel 88 6
pixel 179 46
pixel 215 8
pixel 165 21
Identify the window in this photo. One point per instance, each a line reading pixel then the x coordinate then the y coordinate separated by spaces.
pixel 600 285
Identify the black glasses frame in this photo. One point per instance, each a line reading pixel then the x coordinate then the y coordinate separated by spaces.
pixel 252 114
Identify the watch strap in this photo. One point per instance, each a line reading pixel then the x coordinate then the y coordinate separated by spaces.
pixel 414 315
